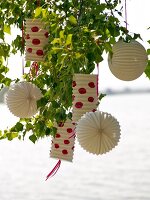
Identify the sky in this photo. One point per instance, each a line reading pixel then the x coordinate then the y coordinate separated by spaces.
pixel 138 16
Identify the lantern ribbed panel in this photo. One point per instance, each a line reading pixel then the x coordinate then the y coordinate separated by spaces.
pixel 128 61
pixel 84 95
pixel 63 144
pixel 36 38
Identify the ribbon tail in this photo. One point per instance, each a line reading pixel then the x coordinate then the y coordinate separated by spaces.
pixel 54 170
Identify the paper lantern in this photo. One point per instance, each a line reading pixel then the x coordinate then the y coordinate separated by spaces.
pixel 84 95
pixel 36 39
pixel 98 132
pixel 21 99
pixel 128 61
pixel 63 143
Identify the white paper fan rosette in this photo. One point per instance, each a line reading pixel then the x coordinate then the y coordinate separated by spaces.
pixel 98 132
pixel 21 99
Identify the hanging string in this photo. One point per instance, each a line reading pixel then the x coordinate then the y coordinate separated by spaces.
pixel 126 20
pixel 23 43
pixel 54 170
pixel 97 79
pixel 38 3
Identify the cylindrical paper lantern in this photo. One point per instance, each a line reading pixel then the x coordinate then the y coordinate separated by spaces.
pixel 36 38
pixel 98 132
pixel 128 60
pixel 21 99
pixel 84 95
pixel 63 142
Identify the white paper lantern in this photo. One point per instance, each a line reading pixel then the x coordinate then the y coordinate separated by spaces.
pixel 63 143
pixel 36 39
pixel 98 132
pixel 84 95
pixel 128 61
pixel 21 99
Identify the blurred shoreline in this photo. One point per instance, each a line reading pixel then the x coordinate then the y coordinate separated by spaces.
pixel 107 91
pixel 110 91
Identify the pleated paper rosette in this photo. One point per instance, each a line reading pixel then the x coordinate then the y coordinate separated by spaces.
pixel 21 99
pixel 98 132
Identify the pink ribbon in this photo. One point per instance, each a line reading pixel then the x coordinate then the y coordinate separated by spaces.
pixel 54 170
pixel 73 135
pixel 34 67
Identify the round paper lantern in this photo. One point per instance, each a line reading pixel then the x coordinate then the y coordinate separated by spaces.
pixel 84 95
pixel 128 60
pixel 36 38
pixel 63 143
pixel 98 132
pixel 21 99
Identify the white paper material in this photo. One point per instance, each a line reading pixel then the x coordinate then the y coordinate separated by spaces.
pixel 36 38
pixel 98 132
pixel 63 143
pixel 21 99
pixel 84 95
pixel 128 61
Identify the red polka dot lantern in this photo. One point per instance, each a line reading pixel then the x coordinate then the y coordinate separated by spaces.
pixel 84 95
pixel 128 61
pixel 63 142
pixel 36 38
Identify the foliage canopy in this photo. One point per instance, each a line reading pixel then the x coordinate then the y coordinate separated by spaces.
pixel 80 31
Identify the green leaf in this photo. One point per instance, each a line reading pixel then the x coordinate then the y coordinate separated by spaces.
pixel 38 11
pixel 33 138
pixel 73 20
pixel 56 41
pixel 7 29
pixel 69 40
pixel 18 126
pixel 148 51
pixel 44 14
pixel 101 96
pixel 61 34
pixel 12 135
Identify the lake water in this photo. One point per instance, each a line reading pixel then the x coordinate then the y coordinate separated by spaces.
pixel 122 174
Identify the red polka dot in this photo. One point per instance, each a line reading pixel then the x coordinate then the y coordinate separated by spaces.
pixel 90 99
pixel 74 123
pixel 35 41
pixel 29 50
pixel 46 34
pixel 82 90
pixel 73 97
pixel 73 148
pixel 58 135
pixel 61 124
pixel 65 151
pixel 27 36
pixel 66 141
pixel 79 105
pixel 74 84
pixel 91 84
pixel 39 52
pixel 56 146
pixel 94 110
pixel 35 29
pixel 69 130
